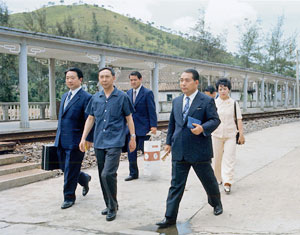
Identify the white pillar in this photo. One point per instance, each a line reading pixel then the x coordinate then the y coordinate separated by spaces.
pixel 52 92
pixel 275 95
pixel 101 65
pixel 267 95
pixel 262 95
pixel 294 95
pixel 208 80
pixel 154 85
pixel 245 97
pixel 281 94
pixel 23 85
pixel 286 98
pixel 297 78
pixel 256 94
pixel 102 61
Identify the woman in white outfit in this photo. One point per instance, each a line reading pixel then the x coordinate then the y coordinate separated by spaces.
pixel 224 137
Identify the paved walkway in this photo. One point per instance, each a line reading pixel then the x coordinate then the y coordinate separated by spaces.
pixel 264 200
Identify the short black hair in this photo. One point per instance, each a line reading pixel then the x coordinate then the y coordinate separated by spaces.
pixel 225 82
pixel 108 68
pixel 136 73
pixel 76 70
pixel 194 72
pixel 210 89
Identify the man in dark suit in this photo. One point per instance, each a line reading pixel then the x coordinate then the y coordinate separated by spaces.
pixel 144 118
pixel 69 131
pixel 191 147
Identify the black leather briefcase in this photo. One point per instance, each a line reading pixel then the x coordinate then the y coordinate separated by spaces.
pixel 49 158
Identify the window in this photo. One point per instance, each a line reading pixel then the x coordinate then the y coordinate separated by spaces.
pixel 169 97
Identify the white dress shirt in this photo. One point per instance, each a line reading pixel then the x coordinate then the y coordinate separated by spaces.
pixel 192 97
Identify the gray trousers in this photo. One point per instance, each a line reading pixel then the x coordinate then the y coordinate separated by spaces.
pixel 108 163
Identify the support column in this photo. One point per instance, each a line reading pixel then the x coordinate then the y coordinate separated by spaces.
pixel 102 61
pixel 52 91
pixel 208 80
pixel 262 95
pixel 256 94
pixel 294 95
pixel 275 93
pixel 245 97
pixel 23 85
pixel 101 65
pixel 267 95
pixel 154 85
pixel 281 94
pixel 286 98
pixel 297 78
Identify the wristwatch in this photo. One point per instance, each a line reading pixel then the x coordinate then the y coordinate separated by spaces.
pixel 133 135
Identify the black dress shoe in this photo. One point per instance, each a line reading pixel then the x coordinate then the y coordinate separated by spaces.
pixel 129 178
pixel 111 215
pixel 104 212
pixel 67 204
pixel 166 223
pixel 218 210
pixel 86 188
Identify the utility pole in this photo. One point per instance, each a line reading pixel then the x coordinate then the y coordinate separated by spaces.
pixel 297 78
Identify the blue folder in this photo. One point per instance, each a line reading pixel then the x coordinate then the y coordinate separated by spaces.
pixel 192 120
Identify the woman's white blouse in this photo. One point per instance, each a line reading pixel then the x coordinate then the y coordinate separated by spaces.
pixel 225 109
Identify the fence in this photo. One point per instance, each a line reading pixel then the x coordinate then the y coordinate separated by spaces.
pixel 10 111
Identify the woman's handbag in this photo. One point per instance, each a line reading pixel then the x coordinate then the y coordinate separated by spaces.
pixel 235 120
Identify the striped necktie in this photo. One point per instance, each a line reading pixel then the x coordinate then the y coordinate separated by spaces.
pixel 67 101
pixel 186 107
pixel 134 96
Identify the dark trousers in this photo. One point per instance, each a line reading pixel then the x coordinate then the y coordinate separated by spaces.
pixel 180 171
pixel 108 163
pixel 132 156
pixel 70 163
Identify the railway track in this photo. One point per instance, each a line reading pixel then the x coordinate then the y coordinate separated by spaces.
pixel 278 113
pixel 49 135
pixel 27 137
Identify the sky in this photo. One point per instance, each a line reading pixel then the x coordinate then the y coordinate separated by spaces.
pixel 182 15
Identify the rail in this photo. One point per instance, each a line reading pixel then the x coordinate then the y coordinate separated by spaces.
pixel 10 111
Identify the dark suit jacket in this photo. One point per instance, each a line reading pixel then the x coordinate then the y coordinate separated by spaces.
pixel 71 120
pixel 144 116
pixel 185 145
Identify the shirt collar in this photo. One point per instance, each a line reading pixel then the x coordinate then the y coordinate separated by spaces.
pixel 138 89
pixel 192 96
pixel 114 92
pixel 74 92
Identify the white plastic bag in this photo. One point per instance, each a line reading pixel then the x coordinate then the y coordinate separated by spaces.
pixel 152 159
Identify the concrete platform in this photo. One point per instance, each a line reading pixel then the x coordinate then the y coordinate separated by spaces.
pixel 264 199
pixel 36 125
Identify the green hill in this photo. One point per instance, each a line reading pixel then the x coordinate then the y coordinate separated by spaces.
pixel 102 25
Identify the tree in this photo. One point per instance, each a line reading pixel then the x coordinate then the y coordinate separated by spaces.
pixel 95 29
pixel 40 17
pixel 8 75
pixel 66 28
pixel 4 16
pixel 107 36
pixel 207 46
pixel 280 51
pixel 36 21
pixel 249 44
